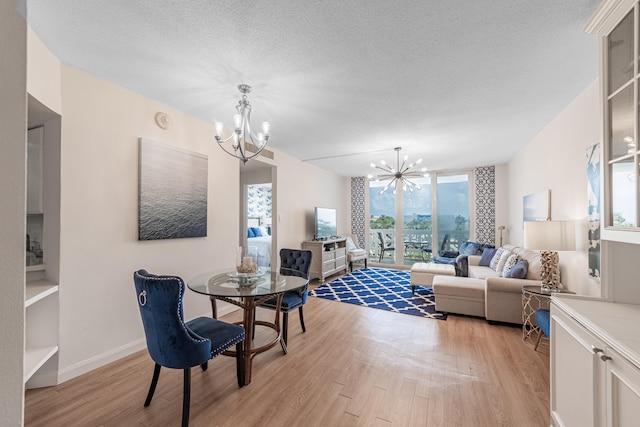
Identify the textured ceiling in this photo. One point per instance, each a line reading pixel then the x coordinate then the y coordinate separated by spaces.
pixel 458 83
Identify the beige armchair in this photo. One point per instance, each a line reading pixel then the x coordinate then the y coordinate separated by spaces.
pixel 354 252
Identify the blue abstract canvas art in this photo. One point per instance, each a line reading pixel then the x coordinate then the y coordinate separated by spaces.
pixel 593 219
pixel 172 193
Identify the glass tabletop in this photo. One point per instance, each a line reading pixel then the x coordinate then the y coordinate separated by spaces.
pixel 226 283
pixel 543 291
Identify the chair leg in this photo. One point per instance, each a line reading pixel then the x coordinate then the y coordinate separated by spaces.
pixel 285 323
pixel 365 263
pixel 302 319
pixel 186 397
pixel 240 364
pixel 154 383
pixel 535 348
pixel 204 366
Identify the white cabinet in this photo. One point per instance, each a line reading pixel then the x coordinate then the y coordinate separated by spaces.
pixel 329 257
pixel 592 382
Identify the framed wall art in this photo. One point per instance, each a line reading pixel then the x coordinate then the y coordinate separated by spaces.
pixel 537 206
pixel 172 192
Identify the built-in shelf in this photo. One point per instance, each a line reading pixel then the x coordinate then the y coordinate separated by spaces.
pixel 37 267
pixel 34 358
pixel 38 289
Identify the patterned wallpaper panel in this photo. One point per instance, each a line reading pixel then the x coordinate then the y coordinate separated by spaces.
pixel 359 208
pixel 485 183
pixel 259 201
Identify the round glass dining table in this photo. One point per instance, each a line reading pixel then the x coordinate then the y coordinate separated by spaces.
pixel 248 291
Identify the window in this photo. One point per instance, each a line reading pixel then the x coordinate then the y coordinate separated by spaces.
pixel 401 226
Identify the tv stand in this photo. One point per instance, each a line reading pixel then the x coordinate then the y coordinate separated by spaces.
pixel 329 256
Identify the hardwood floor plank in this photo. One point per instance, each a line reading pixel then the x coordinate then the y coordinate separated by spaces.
pixel 353 366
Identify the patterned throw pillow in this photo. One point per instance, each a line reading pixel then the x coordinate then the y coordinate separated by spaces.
pixel 508 265
pixel 502 261
pixel 496 258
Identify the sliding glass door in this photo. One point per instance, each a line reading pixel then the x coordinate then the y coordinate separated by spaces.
pixel 402 229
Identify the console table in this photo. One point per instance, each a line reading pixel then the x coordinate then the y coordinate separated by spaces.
pixel 329 257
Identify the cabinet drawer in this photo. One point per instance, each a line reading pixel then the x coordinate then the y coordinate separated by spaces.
pixel 328 256
pixel 340 252
pixel 328 266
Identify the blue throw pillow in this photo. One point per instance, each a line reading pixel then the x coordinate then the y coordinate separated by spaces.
pixel 250 232
pixel 518 271
pixel 487 254
pixel 256 232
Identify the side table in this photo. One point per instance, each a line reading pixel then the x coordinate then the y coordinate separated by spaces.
pixel 533 298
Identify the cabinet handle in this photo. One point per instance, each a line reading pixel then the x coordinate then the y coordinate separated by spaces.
pixel 600 352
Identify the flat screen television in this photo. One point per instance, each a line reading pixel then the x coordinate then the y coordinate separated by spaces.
pixel 326 224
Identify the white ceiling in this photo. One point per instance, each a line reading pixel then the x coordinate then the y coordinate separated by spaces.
pixel 458 83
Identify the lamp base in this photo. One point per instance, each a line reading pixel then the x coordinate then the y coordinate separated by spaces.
pixel 549 270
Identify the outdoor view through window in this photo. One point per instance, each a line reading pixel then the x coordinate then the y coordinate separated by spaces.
pixel 412 239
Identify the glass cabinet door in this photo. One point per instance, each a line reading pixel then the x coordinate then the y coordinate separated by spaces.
pixel 621 147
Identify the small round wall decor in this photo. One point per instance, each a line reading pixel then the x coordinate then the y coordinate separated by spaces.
pixel 162 120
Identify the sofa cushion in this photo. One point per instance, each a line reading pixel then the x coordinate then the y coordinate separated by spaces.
pixel 481 272
pixel 487 256
pixel 508 265
pixel 494 261
pixel 519 271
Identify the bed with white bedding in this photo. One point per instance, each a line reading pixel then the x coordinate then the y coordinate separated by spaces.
pixel 259 240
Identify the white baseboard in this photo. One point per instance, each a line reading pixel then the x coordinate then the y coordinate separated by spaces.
pixel 100 360
pixel 42 380
pixel 111 356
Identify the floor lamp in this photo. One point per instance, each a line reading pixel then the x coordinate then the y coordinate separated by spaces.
pixel 549 237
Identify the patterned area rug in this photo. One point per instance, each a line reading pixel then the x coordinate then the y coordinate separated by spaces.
pixel 383 289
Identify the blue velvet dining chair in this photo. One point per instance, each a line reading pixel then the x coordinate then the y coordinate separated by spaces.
pixel 543 319
pixel 174 343
pixel 294 262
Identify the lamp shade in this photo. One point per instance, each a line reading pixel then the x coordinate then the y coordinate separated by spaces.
pixel 550 235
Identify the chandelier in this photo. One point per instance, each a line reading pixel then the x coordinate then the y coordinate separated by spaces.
pixel 402 174
pixel 245 144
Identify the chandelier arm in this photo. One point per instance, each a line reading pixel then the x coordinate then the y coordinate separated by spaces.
pixel 385 168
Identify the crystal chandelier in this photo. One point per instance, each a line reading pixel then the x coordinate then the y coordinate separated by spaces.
pixel 401 175
pixel 245 144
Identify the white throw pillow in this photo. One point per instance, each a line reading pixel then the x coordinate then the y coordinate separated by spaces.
pixel 508 265
pixel 264 230
pixel 502 261
pixel 494 261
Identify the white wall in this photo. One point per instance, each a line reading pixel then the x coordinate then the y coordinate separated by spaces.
pixel 99 250
pixel 13 131
pixel 556 160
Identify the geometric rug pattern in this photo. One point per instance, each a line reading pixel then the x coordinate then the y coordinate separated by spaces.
pixel 383 289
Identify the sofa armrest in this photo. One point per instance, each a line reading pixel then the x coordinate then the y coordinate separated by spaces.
pixel 474 259
pixel 503 299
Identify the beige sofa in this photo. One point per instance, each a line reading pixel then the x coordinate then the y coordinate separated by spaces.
pixel 502 296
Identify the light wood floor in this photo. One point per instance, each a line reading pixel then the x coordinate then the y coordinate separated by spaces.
pixel 354 366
